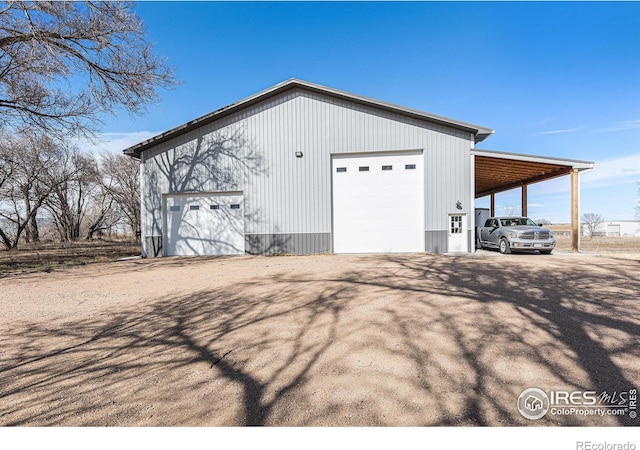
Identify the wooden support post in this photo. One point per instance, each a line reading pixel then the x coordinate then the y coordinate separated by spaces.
pixel 575 211
pixel 524 200
pixel 493 205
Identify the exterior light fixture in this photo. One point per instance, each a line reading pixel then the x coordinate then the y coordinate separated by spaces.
pixel 298 154
pixel 459 204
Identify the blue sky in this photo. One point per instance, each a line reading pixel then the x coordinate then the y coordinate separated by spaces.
pixel 554 79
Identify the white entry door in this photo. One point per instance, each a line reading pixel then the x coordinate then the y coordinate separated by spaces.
pixel 378 202
pixel 457 234
pixel 204 224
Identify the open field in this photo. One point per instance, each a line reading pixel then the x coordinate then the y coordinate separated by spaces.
pixel 390 340
pixel 31 258
pixel 55 257
pixel 624 247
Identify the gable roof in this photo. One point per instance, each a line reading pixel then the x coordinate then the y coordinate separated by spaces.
pixel 479 132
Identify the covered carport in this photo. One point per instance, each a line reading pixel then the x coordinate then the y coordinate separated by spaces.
pixel 501 171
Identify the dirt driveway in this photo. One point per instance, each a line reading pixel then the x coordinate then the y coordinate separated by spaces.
pixel 412 340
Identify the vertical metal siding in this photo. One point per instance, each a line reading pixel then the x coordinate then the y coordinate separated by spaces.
pixel 288 243
pixel 436 241
pixel 293 195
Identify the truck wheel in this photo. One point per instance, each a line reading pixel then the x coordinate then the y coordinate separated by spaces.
pixel 545 252
pixel 504 246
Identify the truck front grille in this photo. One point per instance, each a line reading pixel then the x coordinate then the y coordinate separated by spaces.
pixel 535 235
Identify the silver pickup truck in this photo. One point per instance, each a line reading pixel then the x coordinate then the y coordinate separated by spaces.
pixel 515 233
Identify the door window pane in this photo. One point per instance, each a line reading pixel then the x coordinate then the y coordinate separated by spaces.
pixel 456 224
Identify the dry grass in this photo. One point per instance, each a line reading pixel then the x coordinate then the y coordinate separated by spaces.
pixel 624 247
pixel 48 257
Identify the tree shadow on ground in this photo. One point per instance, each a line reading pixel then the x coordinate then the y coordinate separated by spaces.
pixel 414 340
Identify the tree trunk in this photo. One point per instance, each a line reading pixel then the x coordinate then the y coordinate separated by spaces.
pixel 27 234
pixel 5 240
pixel 75 231
pixel 27 207
pixel 35 233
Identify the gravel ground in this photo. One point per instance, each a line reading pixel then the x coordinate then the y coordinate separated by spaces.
pixel 323 340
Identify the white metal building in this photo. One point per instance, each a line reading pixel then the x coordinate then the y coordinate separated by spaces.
pixel 615 228
pixel 301 168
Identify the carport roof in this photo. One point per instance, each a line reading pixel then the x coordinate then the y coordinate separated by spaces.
pixel 500 171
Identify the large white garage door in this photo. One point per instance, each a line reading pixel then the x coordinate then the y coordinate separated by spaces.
pixel 378 203
pixel 204 224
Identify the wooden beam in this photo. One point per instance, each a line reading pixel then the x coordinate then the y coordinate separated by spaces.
pixel 575 211
pixel 524 200
pixel 493 205
pixel 483 191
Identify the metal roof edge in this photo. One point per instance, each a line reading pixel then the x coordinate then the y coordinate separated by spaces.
pixel 480 133
pixel 574 163
pixel 135 150
pixel 476 129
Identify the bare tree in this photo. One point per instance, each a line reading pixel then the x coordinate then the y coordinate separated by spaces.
pixel 509 210
pixel 81 196
pixel 62 63
pixel 543 222
pixel 26 163
pixel 74 184
pixel 103 213
pixel 121 179
pixel 8 167
pixel 8 163
pixel 592 221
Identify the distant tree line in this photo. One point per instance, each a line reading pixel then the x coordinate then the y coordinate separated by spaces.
pixel 63 65
pixel 78 194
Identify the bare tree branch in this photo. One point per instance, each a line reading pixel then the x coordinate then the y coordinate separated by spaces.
pixel 121 180
pixel 64 63
pixel 592 221
pixel 74 186
pixel 25 163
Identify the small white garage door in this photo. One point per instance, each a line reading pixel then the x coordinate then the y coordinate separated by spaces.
pixel 378 203
pixel 204 224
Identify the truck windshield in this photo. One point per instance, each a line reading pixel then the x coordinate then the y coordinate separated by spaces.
pixel 515 221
